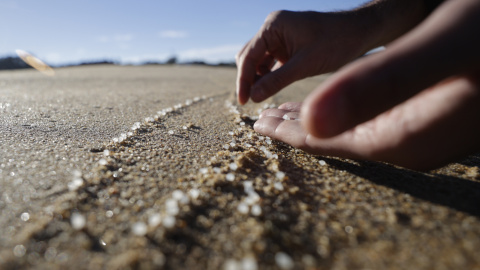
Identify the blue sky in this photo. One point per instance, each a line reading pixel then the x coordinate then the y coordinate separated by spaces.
pixel 62 32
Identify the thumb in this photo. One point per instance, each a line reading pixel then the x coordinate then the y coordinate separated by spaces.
pixel 279 78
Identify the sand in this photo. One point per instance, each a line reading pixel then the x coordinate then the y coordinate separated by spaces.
pixel 157 168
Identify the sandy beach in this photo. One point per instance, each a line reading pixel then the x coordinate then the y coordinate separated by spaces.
pixel 157 167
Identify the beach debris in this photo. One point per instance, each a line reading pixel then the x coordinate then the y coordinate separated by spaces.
pixel 284 261
pixel 249 263
pixel 233 166
pixel 169 222
pixel 35 62
pixel 256 210
pixel 139 228
pixel 280 175
pixel 278 186
pixel 19 251
pixel 243 208
pixel 78 221
pixel 194 193
pixel 76 182
pixel 230 177
pixel 25 216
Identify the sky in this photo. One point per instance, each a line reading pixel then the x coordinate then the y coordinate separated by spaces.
pixel 131 32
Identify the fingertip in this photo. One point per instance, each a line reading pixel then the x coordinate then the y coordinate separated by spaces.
pixel 291 106
pixel 258 94
pixel 241 101
pixel 242 93
pixel 259 126
pixel 323 114
pixel 267 125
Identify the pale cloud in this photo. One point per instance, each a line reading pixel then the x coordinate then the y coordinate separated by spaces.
pixel 115 38
pixel 217 53
pixel 103 39
pixel 123 38
pixel 173 34
pixel 138 59
pixel 53 57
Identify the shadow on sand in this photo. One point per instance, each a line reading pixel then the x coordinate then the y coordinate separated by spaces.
pixel 455 192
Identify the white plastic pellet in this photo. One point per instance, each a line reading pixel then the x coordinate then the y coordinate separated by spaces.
pixel 78 221
pixel 75 184
pixel 169 222
pixel 230 177
pixel 194 193
pixel 256 210
pixel 233 166
pixel 278 186
pixel 249 263
pixel 154 220
pixel 171 206
pixel 242 208
pixel 139 228
pixel 232 264
pixel 25 216
pixel 178 195
pixel 102 161
pixel 284 261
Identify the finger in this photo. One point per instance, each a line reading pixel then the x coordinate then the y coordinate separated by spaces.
pixel 291 106
pixel 292 132
pixel 291 109
pixel 432 128
pixel 272 112
pixel 284 114
pixel 266 64
pixel 279 78
pixel 247 60
pixel 440 47
pixel 289 132
pixel 425 132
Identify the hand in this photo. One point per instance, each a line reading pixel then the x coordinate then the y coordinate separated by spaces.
pixel 294 45
pixel 376 108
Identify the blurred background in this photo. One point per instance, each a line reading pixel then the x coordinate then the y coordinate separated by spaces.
pixel 63 33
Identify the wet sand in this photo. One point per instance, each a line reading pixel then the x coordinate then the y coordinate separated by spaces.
pixel 157 168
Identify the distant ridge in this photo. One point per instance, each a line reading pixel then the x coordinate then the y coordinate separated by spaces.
pixel 15 62
pixel 12 62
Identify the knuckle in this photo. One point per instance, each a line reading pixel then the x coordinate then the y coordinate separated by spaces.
pixel 272 16
pixel 275 18
pixel 277 15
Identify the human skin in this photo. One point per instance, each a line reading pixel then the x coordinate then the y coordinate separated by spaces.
pixel 414 104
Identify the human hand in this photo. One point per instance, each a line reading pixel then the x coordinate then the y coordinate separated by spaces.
pixel 376 108
pixel 294 45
